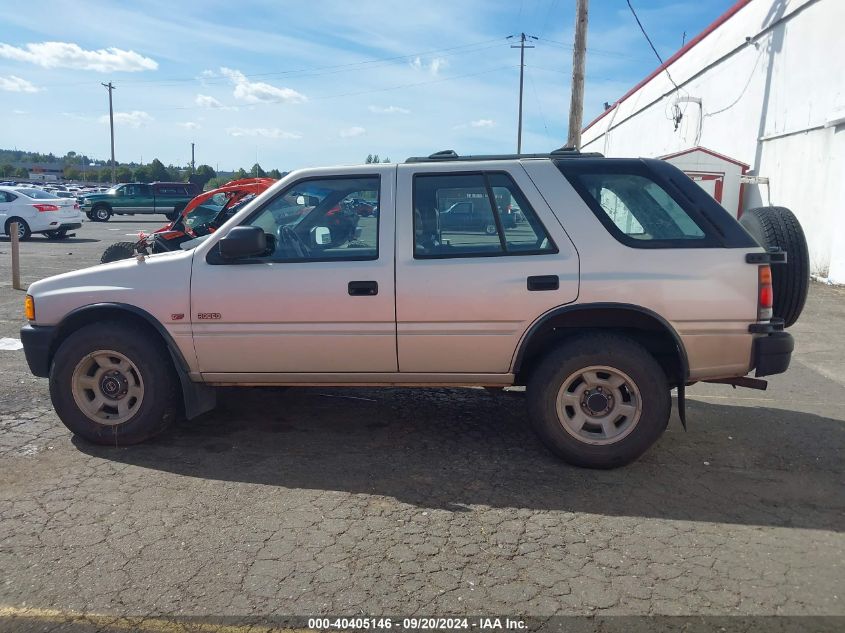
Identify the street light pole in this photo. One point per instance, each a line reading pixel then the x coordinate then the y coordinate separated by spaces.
pixel 110 87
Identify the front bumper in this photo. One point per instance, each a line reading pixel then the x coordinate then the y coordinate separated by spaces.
pixel 37 341
pixel 772 353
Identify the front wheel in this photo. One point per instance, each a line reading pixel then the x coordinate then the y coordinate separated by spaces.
pixel 599 400
pixel 101 214
pixel 111 385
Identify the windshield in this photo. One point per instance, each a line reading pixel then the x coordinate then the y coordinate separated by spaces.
pixel 36 194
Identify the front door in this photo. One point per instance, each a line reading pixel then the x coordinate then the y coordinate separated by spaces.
pixel 467 292
pixel 321 300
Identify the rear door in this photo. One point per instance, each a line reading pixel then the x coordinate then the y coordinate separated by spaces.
pixel 167 196
pixel 465 296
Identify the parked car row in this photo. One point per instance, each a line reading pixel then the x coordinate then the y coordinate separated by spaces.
pixel 37 211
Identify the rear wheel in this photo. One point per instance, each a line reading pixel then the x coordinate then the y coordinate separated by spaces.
pixel 599 400
pixel 118 251
pixel 777 227
pixel 24 232
pixel 57 235
pixel 110 385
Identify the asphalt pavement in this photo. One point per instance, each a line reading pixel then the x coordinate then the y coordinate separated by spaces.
pixel 404 502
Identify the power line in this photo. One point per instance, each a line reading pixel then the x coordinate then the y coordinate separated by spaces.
pixel 473 46
pixel 648 39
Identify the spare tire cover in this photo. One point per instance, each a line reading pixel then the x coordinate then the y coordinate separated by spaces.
pixel 777 227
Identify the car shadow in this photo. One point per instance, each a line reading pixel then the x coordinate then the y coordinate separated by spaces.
pixel 67 240
pixel 457 448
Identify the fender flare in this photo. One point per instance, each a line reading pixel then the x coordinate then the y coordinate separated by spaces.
pixel 197 397
pixel 538 325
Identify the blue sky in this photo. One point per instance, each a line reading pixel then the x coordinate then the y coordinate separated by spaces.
pixel 295 84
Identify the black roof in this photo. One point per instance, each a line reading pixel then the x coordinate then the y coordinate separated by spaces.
pixel 449 155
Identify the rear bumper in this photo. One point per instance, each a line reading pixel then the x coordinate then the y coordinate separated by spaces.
pixel 37 341
pixel 67 226
pixel 772 353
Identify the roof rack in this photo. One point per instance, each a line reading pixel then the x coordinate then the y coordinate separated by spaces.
pixel 451 155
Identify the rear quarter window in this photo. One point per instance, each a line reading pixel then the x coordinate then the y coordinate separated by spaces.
pixel 643 207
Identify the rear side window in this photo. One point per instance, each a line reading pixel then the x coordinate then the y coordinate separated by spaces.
pixel 650 204
pixel 639 208
pixel 474 215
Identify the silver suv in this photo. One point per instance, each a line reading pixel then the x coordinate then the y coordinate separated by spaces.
pixel 599 284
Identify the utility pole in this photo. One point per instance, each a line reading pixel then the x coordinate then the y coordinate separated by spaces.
pixel 110 87
pixel 193 170
pixel 579 58
pixel 522 46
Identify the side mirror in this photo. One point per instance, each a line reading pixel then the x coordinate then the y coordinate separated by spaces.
pixel 321 236
pixel 243 241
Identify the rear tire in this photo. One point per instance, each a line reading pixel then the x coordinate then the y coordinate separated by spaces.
pixel 599 400
pixel 24 232
pixel 56 235
pixel 117 358
pixel 118 251
pixel 777 227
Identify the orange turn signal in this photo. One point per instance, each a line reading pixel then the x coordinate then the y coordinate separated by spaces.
pixel 29 307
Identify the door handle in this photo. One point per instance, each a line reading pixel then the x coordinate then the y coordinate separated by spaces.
pixel 363 288
pixel 543 282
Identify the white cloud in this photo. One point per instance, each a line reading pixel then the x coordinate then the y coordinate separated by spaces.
pixel 68 55
pixel 260 92
pixel 16 84
pixel 350 132
pixel 433 66
pixel 207 101
pixel 136 118
pixel 483 123
pixel 20 112
pixel 272 132
pixel 389 110
pixel 190 125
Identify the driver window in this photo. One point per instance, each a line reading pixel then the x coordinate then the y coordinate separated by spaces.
pixel 322 219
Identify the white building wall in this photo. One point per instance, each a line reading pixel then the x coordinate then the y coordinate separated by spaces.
pixel 772 102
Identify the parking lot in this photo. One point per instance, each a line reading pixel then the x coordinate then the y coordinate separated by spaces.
pixel 418 502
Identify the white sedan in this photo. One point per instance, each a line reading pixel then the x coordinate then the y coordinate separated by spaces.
pixel 37 211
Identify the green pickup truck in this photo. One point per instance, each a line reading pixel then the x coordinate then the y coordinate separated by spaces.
pixel 167 198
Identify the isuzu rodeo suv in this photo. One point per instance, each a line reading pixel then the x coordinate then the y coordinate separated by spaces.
pixel 620 280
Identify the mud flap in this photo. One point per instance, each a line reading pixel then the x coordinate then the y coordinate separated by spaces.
pixel 682 405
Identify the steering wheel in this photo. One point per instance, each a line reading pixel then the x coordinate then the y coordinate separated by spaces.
pixel 290 243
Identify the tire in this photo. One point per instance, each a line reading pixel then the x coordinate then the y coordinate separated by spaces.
pixel 101 213
pixel 635 423
pixel 147 371
pixel 490 229
pixel 56 235
pixel 777 227
pixel 89 215
pixel 118 251
pixel 24 232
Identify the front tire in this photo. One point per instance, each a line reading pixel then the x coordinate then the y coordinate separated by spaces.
pixel 110 384
pixel 24 232
pixel 101 214
pixel 599 400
